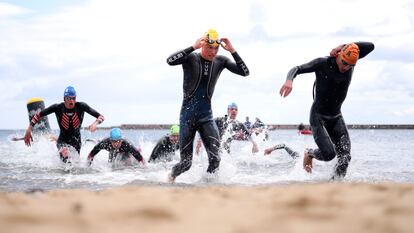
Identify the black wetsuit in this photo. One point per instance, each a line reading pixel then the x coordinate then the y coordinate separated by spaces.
pixel 330 90
pixel 200 77
pixel 164 150
pixel 125 150
pixel 248 124
pixel 69 121
pixel 231 127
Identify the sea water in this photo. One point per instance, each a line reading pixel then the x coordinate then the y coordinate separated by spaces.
pixel 377 156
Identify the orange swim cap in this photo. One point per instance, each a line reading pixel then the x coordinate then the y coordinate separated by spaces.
pixel 350 53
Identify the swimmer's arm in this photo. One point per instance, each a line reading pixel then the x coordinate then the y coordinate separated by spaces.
pixel 237 67
pixel 273 148
pixel 309 67
pixel 364 48
pixel 104 144
pixel 99 118
pixel 179 57
pixel 156 152
pixel 134 152
pixel 36 117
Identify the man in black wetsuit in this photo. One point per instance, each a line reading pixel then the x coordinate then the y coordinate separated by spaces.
pixel 69 115
pixel 166 146
pixel 201 72
pixel 231 129
pixel 333 76
pixel 119 148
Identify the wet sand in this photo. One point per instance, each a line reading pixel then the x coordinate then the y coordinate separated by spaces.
pixel 333 207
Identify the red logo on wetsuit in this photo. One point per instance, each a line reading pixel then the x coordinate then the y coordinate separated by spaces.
pixel 67 119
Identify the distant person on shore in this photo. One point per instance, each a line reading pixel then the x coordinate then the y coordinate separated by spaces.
pixel 231 129
pixel 166 146
pixel 303 130
pixel 333 76
pixel 119 149
pixel 291 152
pixel 69 115
pixel 201 72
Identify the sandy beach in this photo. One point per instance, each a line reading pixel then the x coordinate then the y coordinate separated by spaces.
pixel 334 207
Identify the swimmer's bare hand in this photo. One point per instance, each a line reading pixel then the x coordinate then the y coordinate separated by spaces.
pixel 28 136
pixel 335 51
pixel 93 127
pixel 200 42
pixel 226 44
pixel 286 88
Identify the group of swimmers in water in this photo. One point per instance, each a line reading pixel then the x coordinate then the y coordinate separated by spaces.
pixel 201 72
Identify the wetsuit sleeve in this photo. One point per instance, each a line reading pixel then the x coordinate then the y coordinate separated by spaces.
pixel 157 151
pixel 44 112
pixel 132 150
pixel 220 125
pixel 239 67
pixel 364 48
pixel 179 57
pixel 102 145
pixel 305 68
pixel 91 111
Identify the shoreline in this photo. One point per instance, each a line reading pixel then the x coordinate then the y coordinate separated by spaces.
pixel 322 207
pixel 272 126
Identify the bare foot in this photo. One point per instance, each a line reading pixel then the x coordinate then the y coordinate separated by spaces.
pixel 64 151
pixel 307 162
pixel 171 179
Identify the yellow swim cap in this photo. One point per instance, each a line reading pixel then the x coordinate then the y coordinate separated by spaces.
pixel 212 37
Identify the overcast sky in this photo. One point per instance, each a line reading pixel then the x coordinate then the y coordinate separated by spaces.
pixel 114 53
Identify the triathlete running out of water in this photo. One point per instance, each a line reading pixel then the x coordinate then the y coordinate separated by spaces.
pixel 231 129
pixel 201 72
pixel 69 116
pixel 166 146
pixel 116 146
pixel 333 76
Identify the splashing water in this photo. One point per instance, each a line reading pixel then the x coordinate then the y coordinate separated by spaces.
pixel 377 156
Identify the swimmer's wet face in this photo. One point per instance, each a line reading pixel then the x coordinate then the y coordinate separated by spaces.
pixel 348 57
pixel 232 113
pixel 116 143
pixel 70 101
pixel 343 66
pixel 209 51
pixel 174 138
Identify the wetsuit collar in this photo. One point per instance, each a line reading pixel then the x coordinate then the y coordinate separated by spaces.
pixel 204 59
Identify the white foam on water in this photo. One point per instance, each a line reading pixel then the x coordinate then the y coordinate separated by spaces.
pixel 376 156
